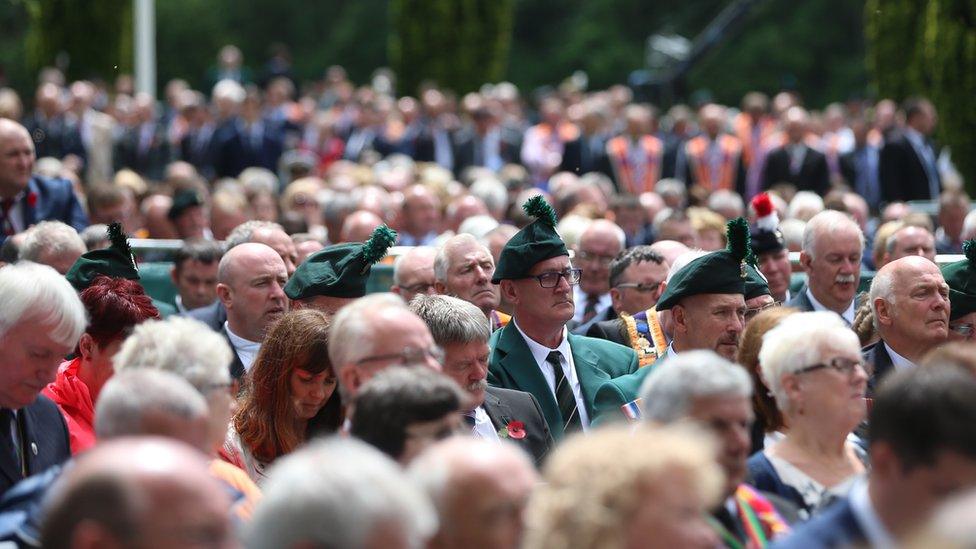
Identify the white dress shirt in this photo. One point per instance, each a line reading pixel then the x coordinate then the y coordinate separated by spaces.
pixel 246 349
pixel 847 315
pixel 898 361
pixel 579 297
pixel 483 427
pixel 541 352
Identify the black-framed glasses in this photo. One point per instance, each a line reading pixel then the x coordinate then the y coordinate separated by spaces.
pixel 408 356
pixel 419 288
pixel 756 310
pixel 642 287
pixel 595 258
pixel 965 330
pixel 550 279
pixel 839 364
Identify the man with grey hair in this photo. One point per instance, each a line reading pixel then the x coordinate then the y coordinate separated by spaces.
pixel 413 272
pixel 41 320
pixel 480 491
pixel 909 240
pixel 459 328
pixel 599 244
pixel 373 333
pixel 52 243
pixel 463 268
pixel 705 388
pixel 831 257
pixel 910 301
pixel 342 494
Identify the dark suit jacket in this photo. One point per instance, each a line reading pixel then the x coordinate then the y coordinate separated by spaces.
pixel 465 140
pixel 149 162
pixel 836 526
pixel 201 152
pixel 236 366
pixel 513 367
pixel 610 330
pixel 604 315
pixel 813 176
pixel 235 151
pixel 586 154
pixel 44 442
pixel 901 172
pixel 54 136
pixel 504 406
pixel 801 301
pixel 213 315
pixel 877 355
pixel 54 200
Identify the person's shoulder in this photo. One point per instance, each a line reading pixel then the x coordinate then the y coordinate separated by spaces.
pixel 835 526
pixel 48 185
pixel 602 346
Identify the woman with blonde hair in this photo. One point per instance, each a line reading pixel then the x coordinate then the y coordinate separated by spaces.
pixel 289 394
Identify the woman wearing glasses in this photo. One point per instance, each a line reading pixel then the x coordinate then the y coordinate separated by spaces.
pixel 811 363
pixel 289 394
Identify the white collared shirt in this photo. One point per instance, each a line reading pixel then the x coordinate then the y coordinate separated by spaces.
pixel 247 350
pixel 579 296
pixel 867 518
pixel 541 352
pixel 847 315
pixel 898 361
pixel 483 427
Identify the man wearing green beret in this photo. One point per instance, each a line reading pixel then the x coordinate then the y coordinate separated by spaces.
pixel 706 298
pixel 189 215
pixel 534 353
pixel 961 278
pixel 335 276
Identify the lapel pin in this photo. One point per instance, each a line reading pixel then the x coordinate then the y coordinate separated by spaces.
pixel 34 448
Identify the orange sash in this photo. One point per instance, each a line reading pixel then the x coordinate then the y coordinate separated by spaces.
pixel 652 150
pixel 722 178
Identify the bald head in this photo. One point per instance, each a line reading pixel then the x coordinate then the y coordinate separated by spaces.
pixel 910 240
pixel 138 491
pixel 910 301
pixel 413 272
pixel 670 250
pixel 359 225
pixel 796 121
pixel 16 158
pixel 250 284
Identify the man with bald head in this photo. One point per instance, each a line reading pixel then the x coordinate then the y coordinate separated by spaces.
pixel 250 284
pixel 413 273
pixel 480 491
pixel 796 162
pixel 909 240
pixel 26 199
pixel 150 492
pixel 669 250
pixel 599 244
pixel 910 301
pixel 463 268
pixel 421 217
pixel 358 226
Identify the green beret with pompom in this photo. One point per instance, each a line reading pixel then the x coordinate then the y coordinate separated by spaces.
pixel 341 270
pixel 538 241
pixel 961 278
pixel 116 261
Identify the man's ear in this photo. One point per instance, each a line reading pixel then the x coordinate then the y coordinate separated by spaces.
pixel 440 288
pixel 882 311
pixel 615 301
pixel 805 261
pixel 224 294
pixel 508 291
pixel 679 321
pixel 86 345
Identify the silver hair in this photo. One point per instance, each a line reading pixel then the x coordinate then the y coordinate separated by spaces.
pixel 882 287
pixel 492 192
pixel 352 331
pixel 606 225
pixel 180 345
pixel 442 262
pixel 827 223
pixel 668 392
pixel 801 340
pixel 451 320
pixel 804 206
pixel 53 237
pixel 129 396
pixel 245 231
pixel 35 293
pixel 411 253
pixel 722 199
pixel 969 226
pixel 335 493
pixel 671 187
pixel 230 90
pixel 478 226
pixel 93 235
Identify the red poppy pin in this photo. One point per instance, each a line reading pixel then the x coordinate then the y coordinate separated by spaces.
pixel 514 430
pixel 31 199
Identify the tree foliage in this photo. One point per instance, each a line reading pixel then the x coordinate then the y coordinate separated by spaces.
pixel 459 44
pixel 929 48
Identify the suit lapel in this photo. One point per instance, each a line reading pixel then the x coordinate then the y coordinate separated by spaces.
pixel 589 375
pixel 8 460
pixel 516 363
pixel 236 366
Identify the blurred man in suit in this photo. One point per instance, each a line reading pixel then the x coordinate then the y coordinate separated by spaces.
pixel 796 162
pixel 908 169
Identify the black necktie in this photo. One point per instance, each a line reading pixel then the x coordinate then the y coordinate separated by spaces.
pixel 592 300
pixel 10 432
pixel 564 395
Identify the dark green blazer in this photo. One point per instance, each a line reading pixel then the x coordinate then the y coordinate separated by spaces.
pixel 616 392
pixel 597 361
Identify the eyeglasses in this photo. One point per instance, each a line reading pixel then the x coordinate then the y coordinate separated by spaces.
pixel 595 258
pixel 964 330
pixel 551 279
pixel 643 287
pixel 409 356
pixel 841 365
pixel 756 310
pixel 419 288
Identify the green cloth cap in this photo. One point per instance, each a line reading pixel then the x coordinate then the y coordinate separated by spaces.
pixel 961 278
pixel 721 272
pixel 756 284
pixel 341 270
pixel 538 241
pixel 183 201
pixel 116 261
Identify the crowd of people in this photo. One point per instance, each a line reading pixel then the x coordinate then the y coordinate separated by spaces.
pixel 594 335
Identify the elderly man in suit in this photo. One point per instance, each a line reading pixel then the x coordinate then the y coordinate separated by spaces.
pixel 923 449
pixel 534 353
pixel 599 244
pixel 831 257
pixel 41 320
pixel 910 301
pixel 25 198
pixel 462 331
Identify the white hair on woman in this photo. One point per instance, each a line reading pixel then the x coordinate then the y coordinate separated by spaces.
pixel 668 392
pixel 35 293
pixel 184 346
pixel 801 340
pixel 337 493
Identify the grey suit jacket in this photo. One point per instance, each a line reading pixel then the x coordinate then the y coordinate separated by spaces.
pixel 505 405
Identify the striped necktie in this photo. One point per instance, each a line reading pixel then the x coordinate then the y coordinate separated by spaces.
pixel 564 395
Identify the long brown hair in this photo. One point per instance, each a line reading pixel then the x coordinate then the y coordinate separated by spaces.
pixel 764 405
pixel 265 420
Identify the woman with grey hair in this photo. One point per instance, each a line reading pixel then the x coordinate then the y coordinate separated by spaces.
pixel 811 363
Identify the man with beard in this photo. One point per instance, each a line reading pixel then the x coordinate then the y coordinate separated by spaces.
pixel 250 284
pixel 462 332
pixel 463 268
pixel 831 257
pixel 910 301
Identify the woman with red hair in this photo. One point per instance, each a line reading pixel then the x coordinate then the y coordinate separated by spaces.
pixel 289 394
pixel 114 306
